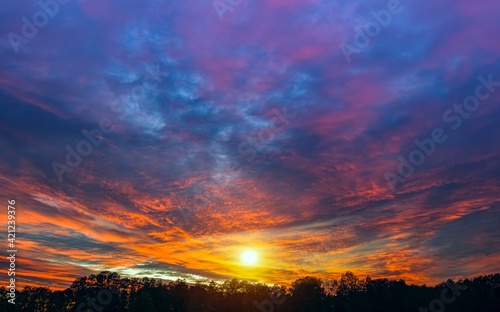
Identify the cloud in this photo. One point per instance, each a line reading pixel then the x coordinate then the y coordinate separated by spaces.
pixel 183 89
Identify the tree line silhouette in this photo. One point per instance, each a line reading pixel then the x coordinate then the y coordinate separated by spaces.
pixel 108 291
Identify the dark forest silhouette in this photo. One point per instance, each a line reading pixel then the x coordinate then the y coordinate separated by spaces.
pixel 107 291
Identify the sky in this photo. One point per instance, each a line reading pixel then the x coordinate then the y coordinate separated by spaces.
pixel 165 138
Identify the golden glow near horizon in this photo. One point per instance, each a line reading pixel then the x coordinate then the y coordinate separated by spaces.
pixel 249 257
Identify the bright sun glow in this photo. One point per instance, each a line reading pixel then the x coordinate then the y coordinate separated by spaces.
pixel 249 257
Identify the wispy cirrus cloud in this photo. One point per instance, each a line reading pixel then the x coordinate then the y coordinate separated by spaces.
pixel 320 208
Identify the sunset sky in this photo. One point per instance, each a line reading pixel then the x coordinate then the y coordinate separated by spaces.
pixel 272 127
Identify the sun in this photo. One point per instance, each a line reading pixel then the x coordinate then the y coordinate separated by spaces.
pixel 249 257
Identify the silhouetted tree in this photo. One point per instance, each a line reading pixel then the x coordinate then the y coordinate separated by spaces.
pixel 108 292
pixel 307 294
